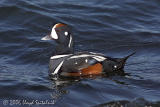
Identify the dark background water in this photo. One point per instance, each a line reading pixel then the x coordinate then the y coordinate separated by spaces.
pixel 112 27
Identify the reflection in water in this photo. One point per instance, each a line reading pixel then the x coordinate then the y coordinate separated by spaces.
pixel 58 87
pixel 61 88
pixel 60 84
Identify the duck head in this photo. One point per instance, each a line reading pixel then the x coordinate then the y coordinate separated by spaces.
pixel 61 33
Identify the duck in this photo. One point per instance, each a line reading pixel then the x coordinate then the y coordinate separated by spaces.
pixel 67 63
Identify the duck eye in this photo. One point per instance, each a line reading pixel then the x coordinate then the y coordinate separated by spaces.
pixel 66 33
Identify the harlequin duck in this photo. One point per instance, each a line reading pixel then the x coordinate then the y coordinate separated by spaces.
pixel 66 62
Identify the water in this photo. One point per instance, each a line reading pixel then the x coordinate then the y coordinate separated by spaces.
pixel 114 28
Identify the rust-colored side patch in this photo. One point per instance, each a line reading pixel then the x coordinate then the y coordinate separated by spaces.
pixel 94 69
pixel 91 70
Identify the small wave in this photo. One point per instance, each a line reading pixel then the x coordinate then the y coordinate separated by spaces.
pixel 140 102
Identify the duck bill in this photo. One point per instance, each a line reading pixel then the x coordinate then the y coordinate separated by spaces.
pixel 47 37
pixel 123 60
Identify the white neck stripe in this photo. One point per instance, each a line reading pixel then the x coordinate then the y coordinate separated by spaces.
pixel 70 40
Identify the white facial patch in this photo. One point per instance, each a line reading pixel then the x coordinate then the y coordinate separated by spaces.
pixel 53 33
pixel 115 66
pixel 66 33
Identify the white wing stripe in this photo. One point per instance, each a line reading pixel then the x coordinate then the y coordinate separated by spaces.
pixel 79 56
pixel 98 58
pixel 101 57
pixel 59 56
pixel 58 68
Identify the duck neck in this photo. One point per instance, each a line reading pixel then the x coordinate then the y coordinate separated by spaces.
pixel 66 48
